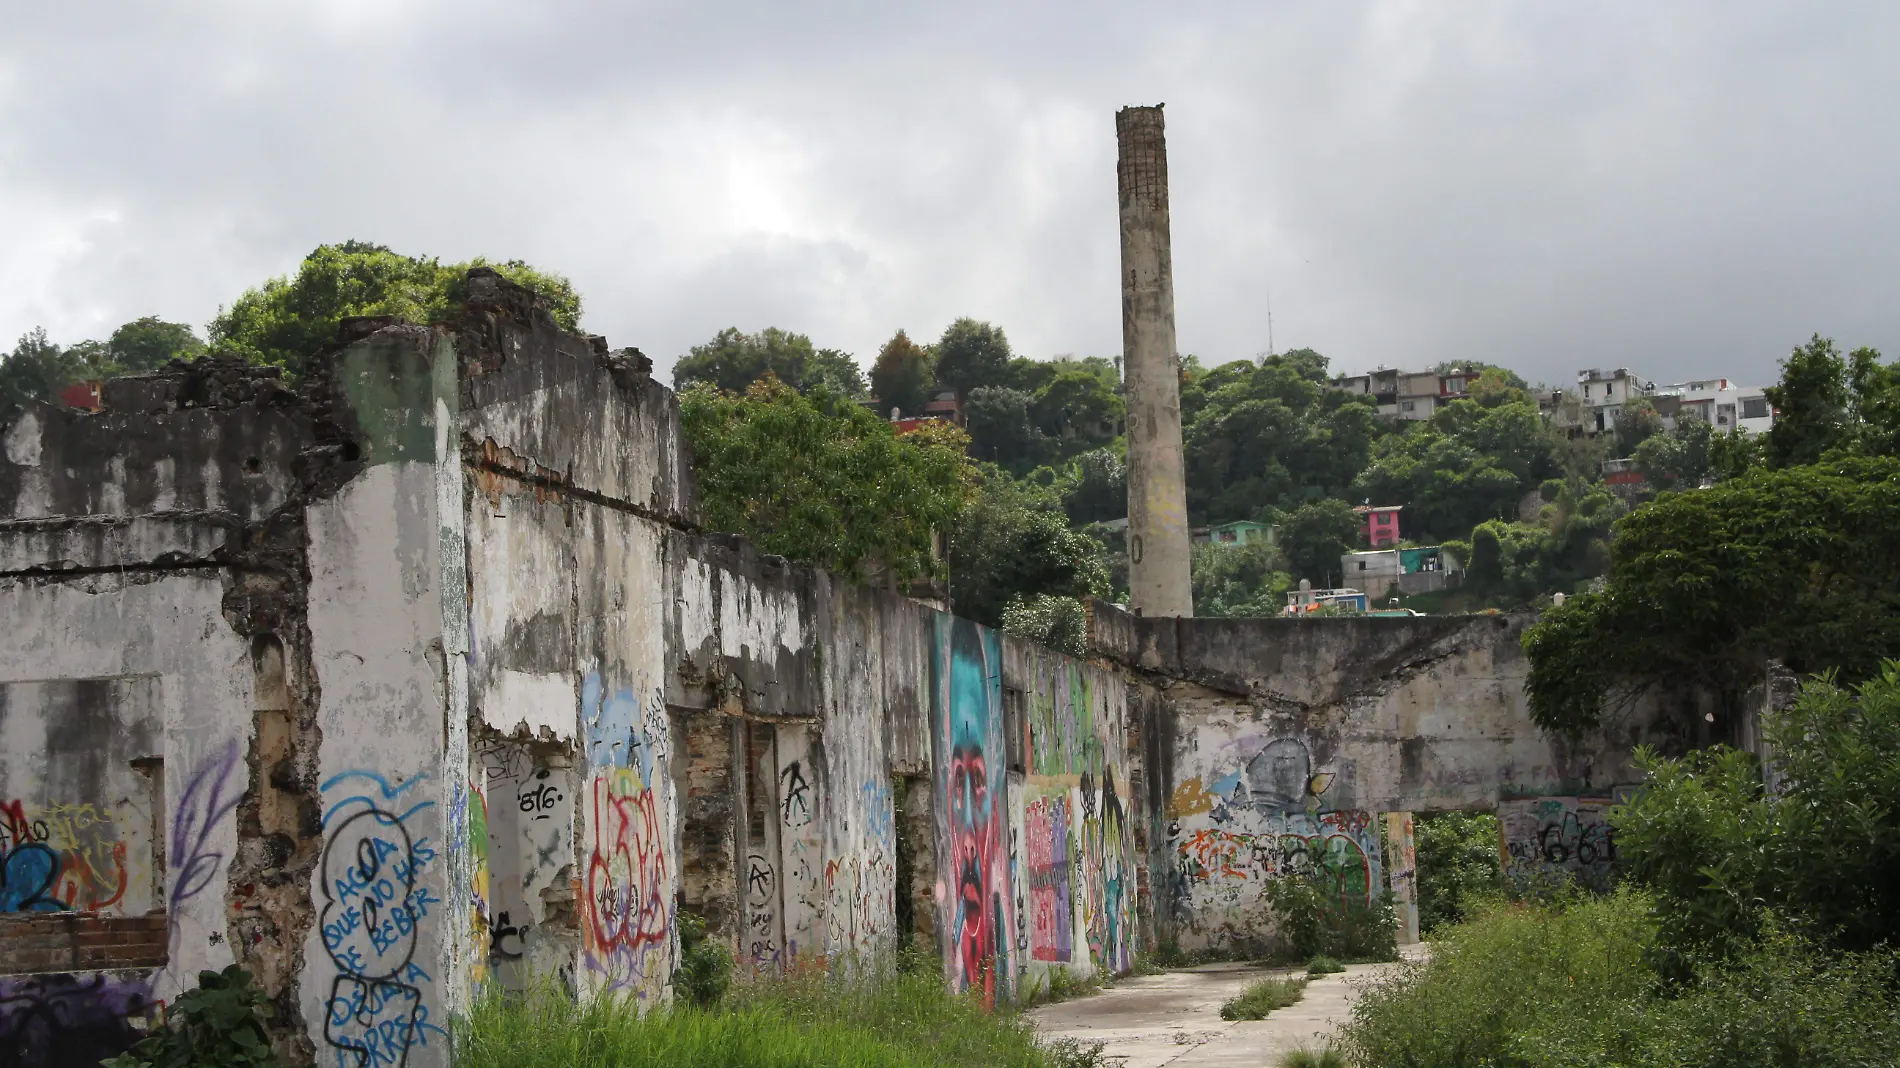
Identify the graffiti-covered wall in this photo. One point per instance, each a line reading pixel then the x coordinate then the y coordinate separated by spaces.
pixel 420 679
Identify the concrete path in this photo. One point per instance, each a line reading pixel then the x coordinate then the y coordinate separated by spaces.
pixel 1174 1019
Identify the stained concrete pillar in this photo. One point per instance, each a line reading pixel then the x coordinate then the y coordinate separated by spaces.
pixel 1401 867
pixel 1158 579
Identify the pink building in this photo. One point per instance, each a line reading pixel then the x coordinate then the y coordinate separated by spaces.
pixel 1381 525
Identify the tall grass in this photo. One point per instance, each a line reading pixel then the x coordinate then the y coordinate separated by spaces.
pixel 895 1020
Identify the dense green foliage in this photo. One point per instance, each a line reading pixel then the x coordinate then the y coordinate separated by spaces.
pixel 1014 541
pixel 1272 437
pixel 1049 620
pixel 972 354
pixel 217 1024
pixel 901 376
pixel 288 319
pixel 1463 466
pixel 820 479
pixel 37 369
pixel 1243 580
pixel 704 973
pixel 1822 852
pixel 1262 997
pixel 891 1020
pixel 1314 535
pixel 1458 866
pixel 1312 919
pixel 733 361
pixel 1796 563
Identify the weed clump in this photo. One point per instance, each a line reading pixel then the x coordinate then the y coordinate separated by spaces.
pixel 1263 997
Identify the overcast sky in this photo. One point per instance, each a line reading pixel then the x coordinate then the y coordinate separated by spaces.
pixel 1688 189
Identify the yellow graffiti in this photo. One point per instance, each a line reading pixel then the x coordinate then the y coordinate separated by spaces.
pixel 1190 798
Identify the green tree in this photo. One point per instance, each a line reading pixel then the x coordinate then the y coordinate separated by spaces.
pixel 821 480
pixel 900 378
pixel 1486 568
pixel 972 354
pixel 733 360
pixel 148 343
pixel 1679 459
pixel 1636 422
pixel 1458 868
pixel 1001 431
pixel 1098 490
pixel 1703 587
pixel 1239 580
pixel 1272 437
pixel 1315 535
pixel 1078 408
pixel 1013 541
pixel 288 319
pixel 1811 404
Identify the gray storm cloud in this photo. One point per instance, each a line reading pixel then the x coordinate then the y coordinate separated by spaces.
pixel 1689 189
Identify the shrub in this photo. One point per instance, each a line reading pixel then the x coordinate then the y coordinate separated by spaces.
pixel 1263 997
pixel 1457 865
pixel 1781 1002
pixel 1314 918
pixel 1312 1058
pixel 705 969
pixel 218 1025
pixel 1323 966
pixel 1489 978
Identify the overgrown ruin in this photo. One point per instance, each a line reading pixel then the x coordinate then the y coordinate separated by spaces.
pixel 422 675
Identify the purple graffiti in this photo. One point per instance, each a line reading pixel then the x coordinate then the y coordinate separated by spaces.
pixel 51 1021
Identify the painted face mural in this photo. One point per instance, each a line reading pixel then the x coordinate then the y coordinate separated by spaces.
pixel 967 699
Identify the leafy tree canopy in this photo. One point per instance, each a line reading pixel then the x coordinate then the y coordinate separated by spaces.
pixel 37 369
pixel 1271 437
pixel 821 480
pixel 1244 580
pixel 972 354
pixel 1014 541
pixel 901 375
pixel 733 361
pixel 1001 429
pixel 1314 536
pixel 288 319
pixel 1703 587
pixel 1465 465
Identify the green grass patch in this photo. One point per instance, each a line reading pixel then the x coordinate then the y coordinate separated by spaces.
pixel 1312 1058
pixel 1323 965
pixel 895 1020
pixel 1263 997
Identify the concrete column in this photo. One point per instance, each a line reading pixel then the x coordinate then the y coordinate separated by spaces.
pixel 1401 867
pixel 1158 580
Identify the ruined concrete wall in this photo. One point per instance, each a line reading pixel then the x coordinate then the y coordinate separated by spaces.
pixel 1276 745
pixel 147 560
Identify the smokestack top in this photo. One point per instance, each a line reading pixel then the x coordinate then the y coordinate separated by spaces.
pixel 1142 162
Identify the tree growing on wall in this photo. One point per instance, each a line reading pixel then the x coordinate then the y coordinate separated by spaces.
pixel 821 480
pixel 288 319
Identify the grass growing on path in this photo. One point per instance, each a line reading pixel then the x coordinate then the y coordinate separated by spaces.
pixel 892 1021
pixel 1263 997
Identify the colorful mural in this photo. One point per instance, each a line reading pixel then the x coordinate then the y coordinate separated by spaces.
pixel 1262 815
pixel 974 895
